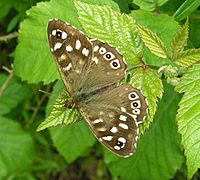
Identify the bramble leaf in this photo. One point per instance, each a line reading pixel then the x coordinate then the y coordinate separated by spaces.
pixel 180 39
pixel 60 114
pixel 153 42
pixel 188 117
pixel 188 57
pixel 106 24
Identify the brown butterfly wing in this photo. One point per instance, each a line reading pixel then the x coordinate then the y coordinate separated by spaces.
pixel 72 52
pixel 107 67
pixel 114 115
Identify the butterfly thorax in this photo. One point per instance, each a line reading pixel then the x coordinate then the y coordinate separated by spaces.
pixel 82 96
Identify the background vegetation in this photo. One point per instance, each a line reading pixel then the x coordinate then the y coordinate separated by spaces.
pixel 157 32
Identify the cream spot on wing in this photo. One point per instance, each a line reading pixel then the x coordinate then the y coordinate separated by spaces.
pixel 122 118
pixel 102 50
pixel 123 140
pixel 96 48
pixel 64 35
pixel 53 32
pixel 69 48
pixel 63 57
pixel 107 138
pixel 69 66
pixel 122 125
pixel 136 111
pixel 101 129
pixel 57 46
pixel 117 148
pixel 95 60
pixel 113 130
pixel 85 51
pixel 123 109
pixel 96 121
pixel 78 44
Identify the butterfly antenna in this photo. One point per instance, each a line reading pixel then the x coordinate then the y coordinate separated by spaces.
pixel 45 92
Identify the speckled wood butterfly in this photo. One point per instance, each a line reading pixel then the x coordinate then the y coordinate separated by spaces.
pixel 91 71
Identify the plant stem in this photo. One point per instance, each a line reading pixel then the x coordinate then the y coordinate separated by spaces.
pixel 9 36
pixel 5 84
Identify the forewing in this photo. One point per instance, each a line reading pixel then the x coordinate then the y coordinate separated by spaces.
pixel 72 51
pixel 114 115
pixel 107 67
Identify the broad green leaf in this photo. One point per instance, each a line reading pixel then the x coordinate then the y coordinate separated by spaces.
pixel 151 85
pixel 149 5
pixel 11 93
pixel 180 39
pixel 60 114
pixel 72 141
pixel 163 25
pixel 33 60
pixel 188 57
pixel 16 149
pixel 186 9
pixel 188 117
pixel 159 154
pixel 153 42
pixel 106 24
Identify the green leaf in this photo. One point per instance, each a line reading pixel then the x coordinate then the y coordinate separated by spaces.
pixel 72 141
pixel 188 117
pixel 5 7
pixel 12 95
pixel 153 42
pixel 106 24
pixel 149 5
pixel 33 60
pixel 151 85
pixel 188 57
pixel 186 9
pixel 159 153
pixel 16 148
pixel 163 25
pixel 180 39
pixel 60 114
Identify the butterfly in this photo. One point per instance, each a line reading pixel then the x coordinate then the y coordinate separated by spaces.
pixel 92 72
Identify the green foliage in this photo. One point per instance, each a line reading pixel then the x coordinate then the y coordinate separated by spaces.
pixel 32 55
pixel 59 114
pixel 153 42
pixel 163 25
pixel 188 57
pixel 119 30
pixel 12 95
pixel 16 148
pixel 186 9
pixel 155 47
pixel 149 5
pixel 151 85
pixel 159 152
pixel 72 141
pixel 188 117
pixel 180 38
